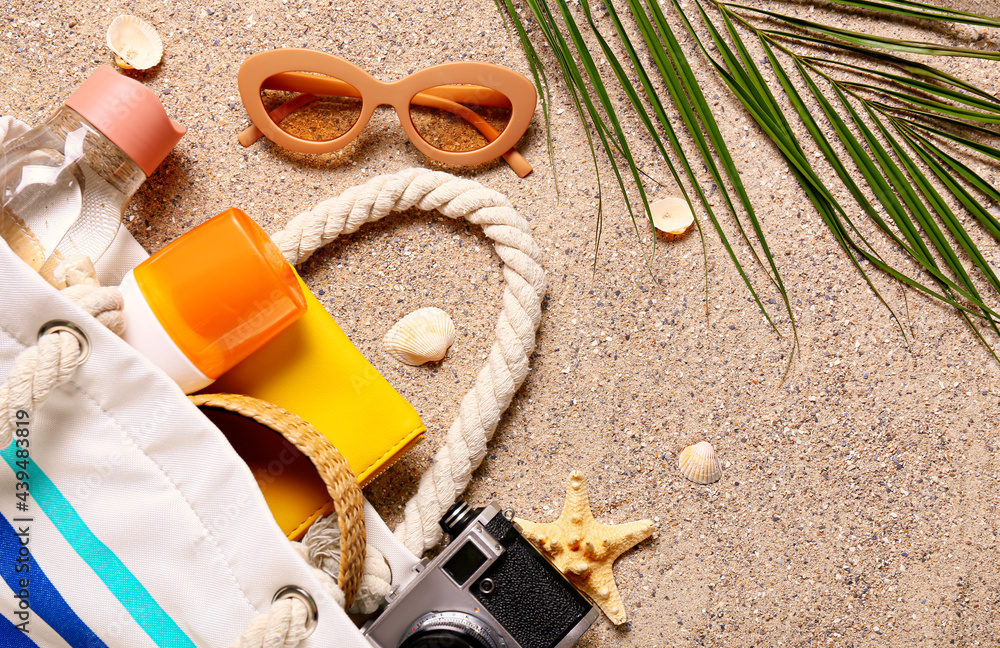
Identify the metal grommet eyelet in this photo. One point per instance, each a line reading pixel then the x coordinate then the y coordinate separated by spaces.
pixel 57 326
pixel 294 591
pixel 508 513
pixel 486 586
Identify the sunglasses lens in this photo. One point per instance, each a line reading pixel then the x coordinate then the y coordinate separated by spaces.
pixel 459 118
pixel 311 106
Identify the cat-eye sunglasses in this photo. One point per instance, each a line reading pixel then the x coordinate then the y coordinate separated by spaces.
pixel 457 113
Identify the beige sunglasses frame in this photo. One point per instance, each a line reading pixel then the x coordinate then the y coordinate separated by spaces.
pixel 284 64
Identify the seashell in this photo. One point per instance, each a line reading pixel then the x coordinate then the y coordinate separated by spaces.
pixel 422 336
pixel 672 216
pixel 699 464
pixel 135 43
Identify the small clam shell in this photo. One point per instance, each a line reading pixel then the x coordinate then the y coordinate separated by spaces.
pixel 699 463
pixel 135 43
pixel 672 216
pixel 422 336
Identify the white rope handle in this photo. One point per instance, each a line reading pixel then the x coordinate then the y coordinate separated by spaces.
pixel 282 626
pixel 507 365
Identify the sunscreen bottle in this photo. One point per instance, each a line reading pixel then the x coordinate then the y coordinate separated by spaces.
pixel 209 299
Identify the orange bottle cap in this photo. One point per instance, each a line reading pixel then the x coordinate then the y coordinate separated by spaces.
pixel 221 291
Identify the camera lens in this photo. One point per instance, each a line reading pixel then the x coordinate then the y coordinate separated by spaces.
pixel 450 630
pixel 442 639
pixel 457 518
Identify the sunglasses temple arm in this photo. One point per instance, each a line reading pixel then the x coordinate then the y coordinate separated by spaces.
pixel 478 95
pixel 310 84
pixel 253 133
pixel 517 162
pixel 514 159
pixel 250 135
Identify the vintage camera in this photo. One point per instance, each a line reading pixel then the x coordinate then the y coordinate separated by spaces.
pixel 489 588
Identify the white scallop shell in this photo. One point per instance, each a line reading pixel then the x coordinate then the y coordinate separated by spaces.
pixel 135 43
pixel 422 336
pixel 672 216
pixel 699 463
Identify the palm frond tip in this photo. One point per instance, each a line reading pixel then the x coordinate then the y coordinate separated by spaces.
pixel 903 124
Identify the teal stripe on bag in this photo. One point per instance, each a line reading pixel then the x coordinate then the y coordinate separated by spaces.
pixel 125 587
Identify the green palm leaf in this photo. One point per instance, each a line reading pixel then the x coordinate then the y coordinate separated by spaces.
pixel 904 124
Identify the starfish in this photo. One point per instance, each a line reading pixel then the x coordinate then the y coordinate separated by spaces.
pixel 584 550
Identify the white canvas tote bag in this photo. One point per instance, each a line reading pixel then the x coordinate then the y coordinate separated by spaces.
pixel 130 521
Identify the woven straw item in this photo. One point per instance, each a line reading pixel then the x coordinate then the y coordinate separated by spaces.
pixel 341 482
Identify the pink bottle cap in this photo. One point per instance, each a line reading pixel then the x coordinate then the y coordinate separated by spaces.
pixel 129 114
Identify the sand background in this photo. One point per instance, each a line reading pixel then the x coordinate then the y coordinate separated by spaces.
pixel 858 505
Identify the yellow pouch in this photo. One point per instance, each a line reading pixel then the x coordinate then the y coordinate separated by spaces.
pixel 312 369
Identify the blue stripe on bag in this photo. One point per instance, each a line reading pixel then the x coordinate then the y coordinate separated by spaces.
pixel 11 637
pixel 45 600
pixel 136 600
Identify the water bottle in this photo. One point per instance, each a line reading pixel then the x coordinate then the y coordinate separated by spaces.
pixel 65 183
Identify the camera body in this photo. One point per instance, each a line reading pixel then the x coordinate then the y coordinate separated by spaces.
pixel 489 588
